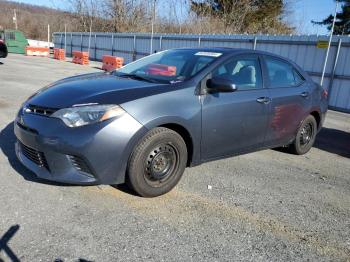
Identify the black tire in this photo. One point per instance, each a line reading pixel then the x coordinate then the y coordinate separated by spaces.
pixel 157 162
pixel 305 137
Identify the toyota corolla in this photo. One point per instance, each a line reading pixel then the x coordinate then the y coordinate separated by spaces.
pixel 146 122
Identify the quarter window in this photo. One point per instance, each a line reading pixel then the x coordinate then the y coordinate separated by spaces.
pixel 245 73
pixel 282 74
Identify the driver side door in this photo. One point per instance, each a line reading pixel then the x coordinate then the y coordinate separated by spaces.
pixel 236 122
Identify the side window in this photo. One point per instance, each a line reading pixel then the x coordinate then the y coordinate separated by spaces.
pixel 245 73
pixel 298 77
pixel 201 62
pixel 282 74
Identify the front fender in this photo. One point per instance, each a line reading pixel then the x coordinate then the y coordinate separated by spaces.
pixel 177 107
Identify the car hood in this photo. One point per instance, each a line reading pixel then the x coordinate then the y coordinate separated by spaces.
pixel 101 88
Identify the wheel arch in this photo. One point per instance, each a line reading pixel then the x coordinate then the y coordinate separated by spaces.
pixel 317 117
pixel 185 134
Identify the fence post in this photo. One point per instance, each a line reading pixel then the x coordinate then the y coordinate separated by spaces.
pixel 134 51
pixel 71 44
pixel 255 42
pixel 112 44
pixel 60 40
pixel 333 69
pixel 89 42
pixel 95 53
pixel 160 43
pixel 81 42
pixel 329 44
pixel 199 41
pixel 65 39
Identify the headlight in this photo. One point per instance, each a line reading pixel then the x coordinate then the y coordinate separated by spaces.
pixel 85 115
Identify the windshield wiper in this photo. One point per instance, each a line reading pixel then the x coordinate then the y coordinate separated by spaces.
pixel 137 77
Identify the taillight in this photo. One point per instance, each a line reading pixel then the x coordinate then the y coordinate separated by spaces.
pixel 2 41
pixel 324 93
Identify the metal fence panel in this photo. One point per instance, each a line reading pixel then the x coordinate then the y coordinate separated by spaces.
pixel 343 67
pixel 300 49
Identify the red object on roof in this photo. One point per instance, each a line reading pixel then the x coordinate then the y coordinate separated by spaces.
pixel 163 70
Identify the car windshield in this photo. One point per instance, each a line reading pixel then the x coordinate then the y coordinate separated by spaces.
pixel 169 66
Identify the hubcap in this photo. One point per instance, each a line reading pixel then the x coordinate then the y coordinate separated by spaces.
pixel 306 134
pixel 160 164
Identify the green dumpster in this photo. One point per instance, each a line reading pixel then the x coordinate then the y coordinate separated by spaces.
pixel 15 41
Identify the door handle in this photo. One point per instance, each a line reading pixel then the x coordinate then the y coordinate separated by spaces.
pixel 263 100
pixel 304 94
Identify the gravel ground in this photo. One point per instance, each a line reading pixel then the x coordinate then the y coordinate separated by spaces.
pixel 264 206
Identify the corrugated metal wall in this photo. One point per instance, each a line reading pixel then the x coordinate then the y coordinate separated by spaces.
pixel 301 49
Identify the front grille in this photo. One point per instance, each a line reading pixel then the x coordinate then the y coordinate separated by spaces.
pixel 81 165
pixel 39 110
pixel 34 155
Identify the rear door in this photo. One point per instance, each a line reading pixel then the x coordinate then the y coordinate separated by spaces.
pixel 290 100
pixel 235 122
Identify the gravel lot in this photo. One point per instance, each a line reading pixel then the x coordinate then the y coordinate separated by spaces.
pixel 264 206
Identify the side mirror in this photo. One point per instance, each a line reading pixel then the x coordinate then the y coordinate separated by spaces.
pixel 219 84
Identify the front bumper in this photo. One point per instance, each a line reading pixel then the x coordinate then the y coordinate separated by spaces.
pixel 92 154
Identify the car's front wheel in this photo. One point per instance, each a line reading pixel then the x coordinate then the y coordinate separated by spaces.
pixel 157 162
pixel 305 137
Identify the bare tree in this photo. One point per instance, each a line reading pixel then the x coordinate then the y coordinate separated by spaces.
pixel 172 16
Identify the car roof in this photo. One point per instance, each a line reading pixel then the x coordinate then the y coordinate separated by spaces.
pixel 231 50
pixel 212 49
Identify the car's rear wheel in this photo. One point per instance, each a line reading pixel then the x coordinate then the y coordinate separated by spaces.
pixel 157 163
pixel 305 137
